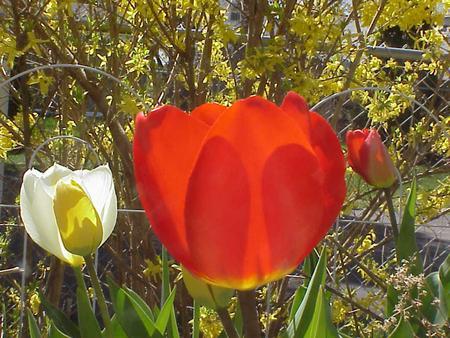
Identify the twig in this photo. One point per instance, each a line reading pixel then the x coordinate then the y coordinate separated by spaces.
pixel 355 304
pixel 356 61
pixel 345 298
pixel 10 271
pixel 247 300
pixel 362 266
pixel 227 323
pixel 172 74
pixel 349 292
pixel 276 325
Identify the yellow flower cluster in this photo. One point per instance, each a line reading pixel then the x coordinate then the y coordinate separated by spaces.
pixel 8 47
pixel 433 201
pixel 340 310
pixel 35 303
pixel 361 247
pixel 316 29
pixel 42 80
pixel 366 243
pixel 153 270
pixel 7 141
pixel 210 324
pixel 403 13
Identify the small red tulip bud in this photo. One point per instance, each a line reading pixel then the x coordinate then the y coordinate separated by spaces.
pixel 368 156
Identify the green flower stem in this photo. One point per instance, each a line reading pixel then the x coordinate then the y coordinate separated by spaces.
pixel 227 323
pixel 165 291
pixel 247 300
pixel 99 294
pixel 196 321
pixel 165 288
pixel 79 278
pixel 391 211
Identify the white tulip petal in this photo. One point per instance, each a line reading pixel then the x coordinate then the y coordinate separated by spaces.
pixel 109 215
pixel 51 176
pixel 38 191
pixel 27 204
pixel 98 184
pixel 36 208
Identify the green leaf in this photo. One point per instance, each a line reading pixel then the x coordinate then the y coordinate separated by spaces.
pixel 164 315
pixel 309 265
pixel 53 332
pixel 321 324
pixel 432 312
pixel 402 330
pixel 165 290
pixel 64 324
pixel 406 244
pixel 444 286
pixel 310 262
pixel 433 283
pixel 133 316
pixel 238 321
pixel 87 322
pixel 117 329
pixel 312 315
pixel 32 325
pixel 140 301
pixel 392 300
pixel 298 297
pixel 156 310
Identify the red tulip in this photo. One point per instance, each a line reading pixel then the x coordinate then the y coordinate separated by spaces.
pixel 368 156
pixel 239 195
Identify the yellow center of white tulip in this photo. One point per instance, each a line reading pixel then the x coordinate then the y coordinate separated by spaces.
pixel 78 222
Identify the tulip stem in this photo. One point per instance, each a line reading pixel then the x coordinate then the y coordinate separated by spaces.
pixel 98 293
pixel 391 210
pixel 196 321
pixel 79 278
pixel 247 300
pixel 165 288
pixel 227 323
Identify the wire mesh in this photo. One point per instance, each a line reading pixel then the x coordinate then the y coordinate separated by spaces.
pixel 364 213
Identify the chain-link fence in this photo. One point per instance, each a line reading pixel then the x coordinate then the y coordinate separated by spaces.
pixel 360 242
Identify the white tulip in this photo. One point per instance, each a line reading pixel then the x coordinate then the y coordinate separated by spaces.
pixel 69 213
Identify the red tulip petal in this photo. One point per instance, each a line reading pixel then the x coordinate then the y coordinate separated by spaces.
pixel 166 143
pixel 293 205
pixel 218 210
pixel 254 198
pixel 296 106
pixel 355 140
pixel 208 112
pixel 329 153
